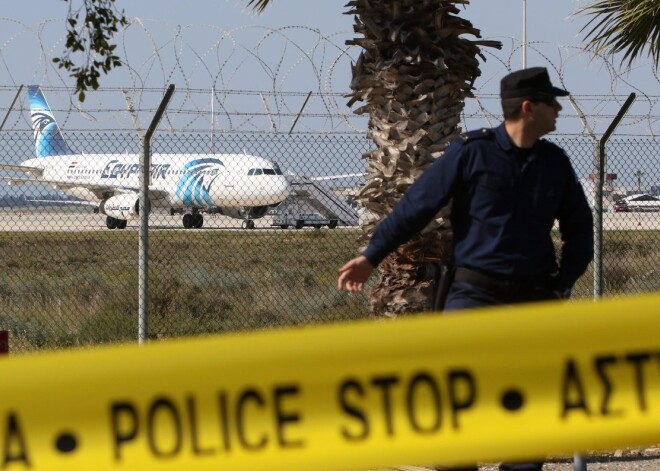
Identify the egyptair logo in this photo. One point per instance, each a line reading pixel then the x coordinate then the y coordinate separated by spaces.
pixel 41 121
pixel 194 186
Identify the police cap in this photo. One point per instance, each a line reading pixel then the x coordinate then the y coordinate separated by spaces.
pixel 529 83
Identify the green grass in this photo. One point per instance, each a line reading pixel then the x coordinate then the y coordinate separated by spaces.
pixel 60 290
pixel 631 264
pixel 70 289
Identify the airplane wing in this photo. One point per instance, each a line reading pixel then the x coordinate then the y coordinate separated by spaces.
pixel 336 177
pixel 36 172
pixel 100 191
pixel 11 181
pixel 63 202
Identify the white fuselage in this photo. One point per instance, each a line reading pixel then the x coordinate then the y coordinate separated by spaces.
pixel 176 180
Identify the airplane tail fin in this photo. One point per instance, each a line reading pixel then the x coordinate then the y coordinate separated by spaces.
pixel 48 139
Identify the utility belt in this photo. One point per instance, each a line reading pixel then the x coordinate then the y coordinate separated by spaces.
pixel 502 284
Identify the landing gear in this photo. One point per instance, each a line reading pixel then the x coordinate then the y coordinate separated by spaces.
pixel 193 221
pixel 114 223
pixel 248 224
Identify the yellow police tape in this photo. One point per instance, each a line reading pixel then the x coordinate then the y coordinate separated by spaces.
pixel 497 384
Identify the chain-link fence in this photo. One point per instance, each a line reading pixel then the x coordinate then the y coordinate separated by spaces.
pixel 69 280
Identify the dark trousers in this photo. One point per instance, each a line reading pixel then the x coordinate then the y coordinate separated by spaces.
pixel 465 296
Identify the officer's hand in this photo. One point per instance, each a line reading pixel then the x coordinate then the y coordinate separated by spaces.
pixel 354 274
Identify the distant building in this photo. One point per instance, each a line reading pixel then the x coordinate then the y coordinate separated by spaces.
pixel 589 187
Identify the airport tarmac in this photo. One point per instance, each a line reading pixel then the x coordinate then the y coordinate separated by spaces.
pixel 14 220
pixel 649 221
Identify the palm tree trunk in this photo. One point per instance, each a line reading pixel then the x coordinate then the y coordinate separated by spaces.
pixel 413 74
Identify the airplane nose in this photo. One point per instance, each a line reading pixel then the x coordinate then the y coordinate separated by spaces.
pixel 284 187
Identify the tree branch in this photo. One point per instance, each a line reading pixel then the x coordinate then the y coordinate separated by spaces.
pixel 90 30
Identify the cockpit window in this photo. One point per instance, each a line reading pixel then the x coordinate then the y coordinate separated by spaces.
pixel 265 171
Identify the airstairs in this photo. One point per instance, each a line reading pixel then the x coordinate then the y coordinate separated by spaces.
pixel 313 194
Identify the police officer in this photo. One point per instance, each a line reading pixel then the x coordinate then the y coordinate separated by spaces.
pixel 508 187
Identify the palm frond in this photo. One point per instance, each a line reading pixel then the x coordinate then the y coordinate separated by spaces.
pixel 630 27
pixel 258 5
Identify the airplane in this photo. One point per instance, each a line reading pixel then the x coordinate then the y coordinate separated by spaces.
pixel 241 186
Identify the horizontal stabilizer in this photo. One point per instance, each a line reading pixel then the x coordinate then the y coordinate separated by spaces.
pixel 35 172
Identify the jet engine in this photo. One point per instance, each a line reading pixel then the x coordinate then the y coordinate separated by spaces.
pixel 123 206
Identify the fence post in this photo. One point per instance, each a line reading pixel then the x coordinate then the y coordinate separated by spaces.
pixel 4 342
pixel 599 181
pixel 300 112
pixel 11 107
pixel 144 209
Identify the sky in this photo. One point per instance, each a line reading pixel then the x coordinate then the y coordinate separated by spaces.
pixel 174 28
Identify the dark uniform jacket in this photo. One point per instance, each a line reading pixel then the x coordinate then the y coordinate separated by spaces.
pixel 503 209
